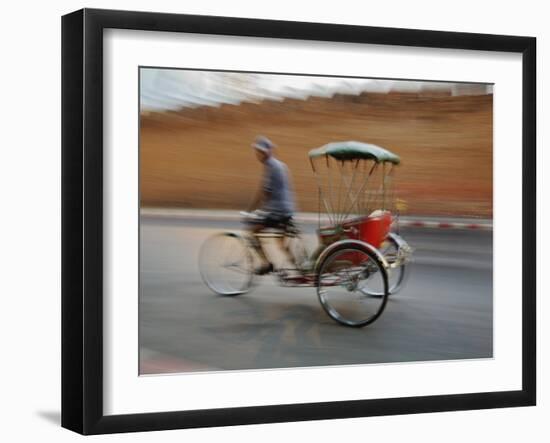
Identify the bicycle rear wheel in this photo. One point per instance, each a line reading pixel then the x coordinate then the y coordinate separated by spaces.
pixel 346 276
pixel 226 264
pixel 397 268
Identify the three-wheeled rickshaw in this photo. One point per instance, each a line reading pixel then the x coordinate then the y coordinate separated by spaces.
pixel 359 260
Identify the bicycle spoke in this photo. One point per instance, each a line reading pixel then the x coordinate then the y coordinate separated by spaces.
pixel 344 274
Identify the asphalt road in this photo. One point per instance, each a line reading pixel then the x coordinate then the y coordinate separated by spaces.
pixel 444 311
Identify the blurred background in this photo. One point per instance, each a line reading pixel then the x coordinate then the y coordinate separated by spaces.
pixel 196 128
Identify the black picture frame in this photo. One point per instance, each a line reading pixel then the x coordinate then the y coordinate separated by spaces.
pixel 82 220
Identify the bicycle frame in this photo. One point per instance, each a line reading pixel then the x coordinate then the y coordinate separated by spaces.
pixel 303 275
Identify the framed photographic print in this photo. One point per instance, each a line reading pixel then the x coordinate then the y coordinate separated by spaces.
pixel 269 221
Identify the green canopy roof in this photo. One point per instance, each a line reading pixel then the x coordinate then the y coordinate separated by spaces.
pixel 352 150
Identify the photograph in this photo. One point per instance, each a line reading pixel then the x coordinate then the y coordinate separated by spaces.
pixel 293 220
pixel 297 218
pixel 272 222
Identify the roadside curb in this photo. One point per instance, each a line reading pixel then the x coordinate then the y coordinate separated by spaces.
pixel 310 218
pixel 486 225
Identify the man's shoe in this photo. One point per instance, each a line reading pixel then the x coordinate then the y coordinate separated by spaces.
pixel 264 269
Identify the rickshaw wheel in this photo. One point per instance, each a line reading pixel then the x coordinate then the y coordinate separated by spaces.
pixel 396 275
pixel 226 264
pixel 345 277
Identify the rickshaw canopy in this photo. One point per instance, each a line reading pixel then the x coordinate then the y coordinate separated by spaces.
pixel 353 150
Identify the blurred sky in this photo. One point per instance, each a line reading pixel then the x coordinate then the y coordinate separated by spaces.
pixel 171 89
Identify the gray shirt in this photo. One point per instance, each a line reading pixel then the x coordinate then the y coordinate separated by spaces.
pixel 279 197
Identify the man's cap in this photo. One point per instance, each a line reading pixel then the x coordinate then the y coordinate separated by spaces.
pixel 263 144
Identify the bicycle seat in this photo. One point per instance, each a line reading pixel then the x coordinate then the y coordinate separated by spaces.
pixel 290 227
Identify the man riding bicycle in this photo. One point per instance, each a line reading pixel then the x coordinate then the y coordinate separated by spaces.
pixel 274 201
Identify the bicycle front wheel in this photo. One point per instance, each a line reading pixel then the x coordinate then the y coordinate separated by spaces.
pixel 346 277
pixel 226 265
